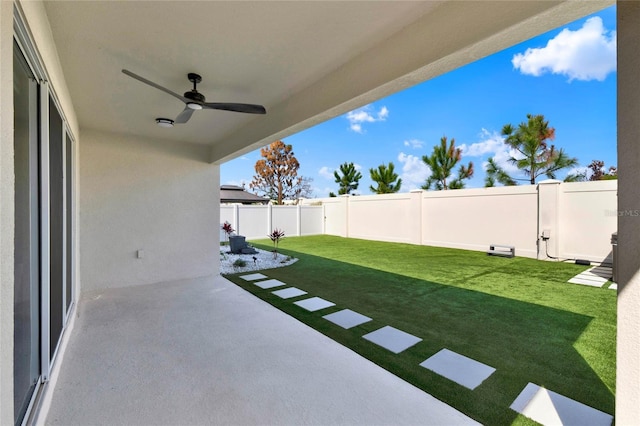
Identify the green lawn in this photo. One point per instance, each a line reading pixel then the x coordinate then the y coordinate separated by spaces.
pixel 517 315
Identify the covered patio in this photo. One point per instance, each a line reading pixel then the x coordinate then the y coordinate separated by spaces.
pixel 112 309
pixel 204 351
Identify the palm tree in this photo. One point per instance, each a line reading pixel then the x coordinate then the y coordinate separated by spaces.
pixel 385 177
pixel 537 157
pixel 349 180
pixel 442 162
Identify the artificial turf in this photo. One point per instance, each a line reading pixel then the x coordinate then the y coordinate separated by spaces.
pixel 517 315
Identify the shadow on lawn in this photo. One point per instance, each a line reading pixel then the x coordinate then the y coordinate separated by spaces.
pixel 525 342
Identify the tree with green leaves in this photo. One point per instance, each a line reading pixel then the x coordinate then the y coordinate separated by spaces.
pixel 598 171
pixel 442 162
pixel 388 181
pixel 495 173
pixel 277 173
pixel 536 156
pixel 349 178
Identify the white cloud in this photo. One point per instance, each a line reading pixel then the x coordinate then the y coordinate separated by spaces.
pixel 414 143
pixel 489 143
pixel 241 183
pixel 366 114
pixel 502 157
pixel 326 172
pixel 581 170
pixel 588 53
pixel 322 192
pixel 414 171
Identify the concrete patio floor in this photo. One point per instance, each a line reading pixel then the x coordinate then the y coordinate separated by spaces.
pixel 204 351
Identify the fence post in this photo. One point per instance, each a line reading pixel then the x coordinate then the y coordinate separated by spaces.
pixel 269 218
pixel 324 219
pixel 548 205
pixel 416 210
pixel 298 220
pixel 236 219
pixel 345 202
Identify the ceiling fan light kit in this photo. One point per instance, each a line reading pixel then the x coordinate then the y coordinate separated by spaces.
pixel 164 122
pixel 195 101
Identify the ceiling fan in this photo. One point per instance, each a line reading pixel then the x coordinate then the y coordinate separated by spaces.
pixel 195 100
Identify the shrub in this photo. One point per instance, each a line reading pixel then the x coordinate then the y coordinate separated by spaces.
pixel 228 229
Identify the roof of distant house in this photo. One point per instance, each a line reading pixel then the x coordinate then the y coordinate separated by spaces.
pixel 237 194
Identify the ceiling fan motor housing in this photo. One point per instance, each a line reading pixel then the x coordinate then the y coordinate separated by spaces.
pixel 195 96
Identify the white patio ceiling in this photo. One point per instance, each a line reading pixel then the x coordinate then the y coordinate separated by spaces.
pixel 304 61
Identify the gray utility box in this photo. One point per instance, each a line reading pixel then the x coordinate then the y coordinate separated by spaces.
pixel 237 243
pixel 614 257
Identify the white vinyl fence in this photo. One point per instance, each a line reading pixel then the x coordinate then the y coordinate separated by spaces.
pixel 257 221
pixel 579 218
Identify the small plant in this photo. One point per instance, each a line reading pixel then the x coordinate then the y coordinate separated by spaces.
pixel 228 229
pixel 239 263
pixel 276 235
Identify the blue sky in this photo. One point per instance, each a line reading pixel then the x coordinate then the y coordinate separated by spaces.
pixel 567 74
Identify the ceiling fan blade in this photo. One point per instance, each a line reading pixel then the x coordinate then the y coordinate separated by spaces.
pixel 247 108
pixel 157 86
pixel 185 115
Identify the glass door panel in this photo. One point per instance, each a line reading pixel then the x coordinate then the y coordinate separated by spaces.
pixel 68 218
pixel 56 214
pixel 26 355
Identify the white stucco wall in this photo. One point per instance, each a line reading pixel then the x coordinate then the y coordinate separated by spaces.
pixel 148 195
pixel 628 350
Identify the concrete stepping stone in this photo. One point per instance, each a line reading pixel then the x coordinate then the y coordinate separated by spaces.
pixel 601 271
pixel 347 318
pixel 613 286
pixel 269 284
pixel 253 277
pixel 586 281
pixel 314 304
pixel 594 277
pixel 288 293
pixel 550 408
pixel 458 368
pixel 392 339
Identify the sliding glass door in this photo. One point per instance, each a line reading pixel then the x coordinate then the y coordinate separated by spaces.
pixel 27 319
pixel 44 228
